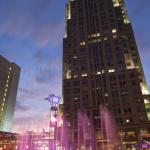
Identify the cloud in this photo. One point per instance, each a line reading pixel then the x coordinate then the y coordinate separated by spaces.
pixel 40 56
pixel 20 107
pixel 50 72
pixel 46 79
pixel 33 27
pixel 30 19
pixel 33 112
pixel 22 90
pixel 35 93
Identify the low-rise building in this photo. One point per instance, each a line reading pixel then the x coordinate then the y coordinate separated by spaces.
pixel 8 141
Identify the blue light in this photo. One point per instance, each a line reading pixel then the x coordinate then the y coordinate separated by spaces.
pixel 53 99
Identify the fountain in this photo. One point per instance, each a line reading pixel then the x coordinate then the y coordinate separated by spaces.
pixel 85 132
pixel 88 133
pixel 108 130
pixel 101 134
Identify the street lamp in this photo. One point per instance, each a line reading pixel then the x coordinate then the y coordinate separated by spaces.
pixel 54 104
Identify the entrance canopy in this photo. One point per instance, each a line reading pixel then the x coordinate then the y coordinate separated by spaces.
pixel 143 144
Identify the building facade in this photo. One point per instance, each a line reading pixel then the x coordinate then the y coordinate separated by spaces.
pixel 102 67
pixel 9 78
pixel 8 141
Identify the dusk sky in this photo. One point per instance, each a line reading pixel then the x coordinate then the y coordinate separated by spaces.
pixel 31 35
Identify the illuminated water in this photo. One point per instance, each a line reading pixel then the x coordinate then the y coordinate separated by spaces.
pixel 85 136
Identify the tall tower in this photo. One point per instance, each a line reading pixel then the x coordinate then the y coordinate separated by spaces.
pixel 102 66
pixel 9 78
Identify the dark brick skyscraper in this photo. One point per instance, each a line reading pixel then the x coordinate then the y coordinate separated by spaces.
pixel 101 66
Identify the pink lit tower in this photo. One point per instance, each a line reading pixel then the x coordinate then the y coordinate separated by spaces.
pixel 54 105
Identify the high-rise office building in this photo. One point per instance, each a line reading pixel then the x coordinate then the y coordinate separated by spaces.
pixel 102 67
pixel 9 78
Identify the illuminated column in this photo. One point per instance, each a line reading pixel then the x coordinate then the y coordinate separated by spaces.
pixel 54 103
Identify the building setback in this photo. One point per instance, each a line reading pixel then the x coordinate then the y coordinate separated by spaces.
pixel 102 67
pixel 9 78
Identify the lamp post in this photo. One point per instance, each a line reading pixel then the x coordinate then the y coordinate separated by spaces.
pixel 54 104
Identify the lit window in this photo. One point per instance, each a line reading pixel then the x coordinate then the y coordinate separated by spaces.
pixel 146 101
pixel 114 36
pixel 89 36
pixel 144 89
pixel 126 21
pixel 116 3
pixel 105 38
pixel 94 41
pixel 75 57
pixel 68 74
pixel 103 71
pixel 84 75
pixel 99 40
pixel 114 30
pixel 98 72
pixel 68 12
pixel 106 94
pixel 93 35
pixel 65 36
pixel 82 43
pixel 111 70
pixel 132 133
pixel 75 76
pixel 98 34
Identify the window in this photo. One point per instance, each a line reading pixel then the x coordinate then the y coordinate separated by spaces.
pixel 114 30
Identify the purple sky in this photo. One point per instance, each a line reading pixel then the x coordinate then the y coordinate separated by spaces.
pixel 31 33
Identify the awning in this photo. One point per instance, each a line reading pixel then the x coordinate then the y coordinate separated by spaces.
pixel 143 144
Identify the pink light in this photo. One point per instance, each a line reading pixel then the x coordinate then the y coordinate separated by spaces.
pixel 53 119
